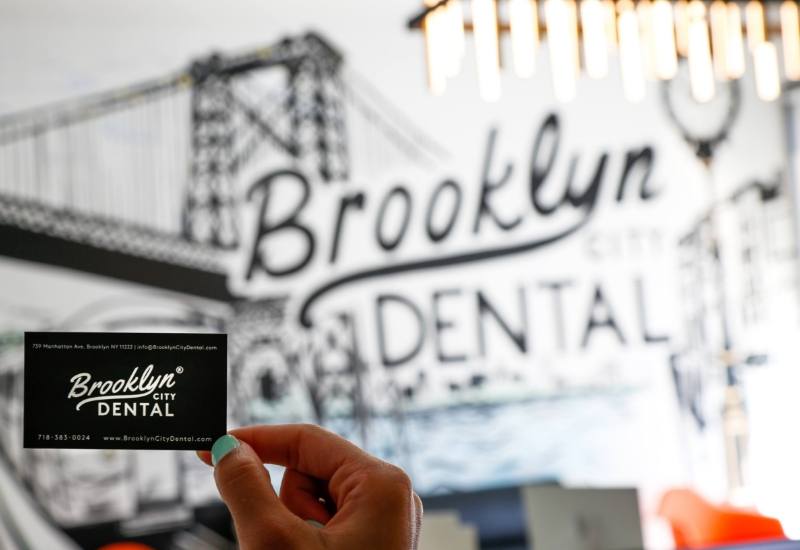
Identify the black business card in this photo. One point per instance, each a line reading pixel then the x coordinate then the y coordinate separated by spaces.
pixel 92 390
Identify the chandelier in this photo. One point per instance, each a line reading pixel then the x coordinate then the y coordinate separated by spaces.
pixel 648 38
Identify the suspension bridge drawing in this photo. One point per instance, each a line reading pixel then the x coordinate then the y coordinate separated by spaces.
pixel 138 183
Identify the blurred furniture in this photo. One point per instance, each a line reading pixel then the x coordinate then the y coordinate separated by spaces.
pixel 582 519
pixel 503 518
pixel 497 514
pixel 773 545
pixel 443 530
pixel 697 523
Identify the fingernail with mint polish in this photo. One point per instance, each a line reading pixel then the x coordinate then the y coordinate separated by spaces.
pixel 315 523
pixel 222 447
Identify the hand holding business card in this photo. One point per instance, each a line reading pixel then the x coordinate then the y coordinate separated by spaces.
pixel 89 390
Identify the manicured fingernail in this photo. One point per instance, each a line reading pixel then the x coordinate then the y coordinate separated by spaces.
pixel 315 523
pixel 222 447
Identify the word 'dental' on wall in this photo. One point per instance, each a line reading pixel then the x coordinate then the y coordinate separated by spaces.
pixel 451 267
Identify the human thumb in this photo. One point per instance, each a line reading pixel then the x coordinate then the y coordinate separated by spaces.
pixel 245 487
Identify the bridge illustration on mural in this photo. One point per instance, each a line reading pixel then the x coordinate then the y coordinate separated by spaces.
pixel 138 185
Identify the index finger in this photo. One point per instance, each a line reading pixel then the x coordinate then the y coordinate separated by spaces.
pixel 306 448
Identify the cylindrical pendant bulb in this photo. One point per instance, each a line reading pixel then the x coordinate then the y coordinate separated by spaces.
pixel 718 21
pixel 630 54
pixel 754 17
pixel 610 19
pixel 666 61
pixel 524 25
pixel 595 38
pixel 701 69
pixel 735 46
pixel 767 74
pixel 435 45
pixel 681 17
pixel 563 46
pixel 644 13
pixel 455 27
pixel 790 34
pixel 487 52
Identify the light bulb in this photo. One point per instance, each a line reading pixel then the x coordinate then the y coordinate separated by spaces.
pixel 718 21
pixel 681 27
pixel 643 11
pixel 666 59
pixel 563 46
pixel 524 22
pixel 790 33
pixel 610 21
pixel 487 53
pixel 456 38
pixel 765 67
pixel 572 30
pixel 595 38
pixel 435 42
pixel 735 47
pixel 754 17
pixel 630 55
pixel 701 69
pixel 695 9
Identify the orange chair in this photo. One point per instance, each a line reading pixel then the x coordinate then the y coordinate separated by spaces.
pixel 696 523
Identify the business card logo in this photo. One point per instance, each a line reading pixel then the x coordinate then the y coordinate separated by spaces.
pixel 142 394
pixel 120 390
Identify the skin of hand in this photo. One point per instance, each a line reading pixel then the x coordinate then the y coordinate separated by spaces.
pixel 362 502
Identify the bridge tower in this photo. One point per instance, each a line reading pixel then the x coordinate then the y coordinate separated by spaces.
pixel 309 126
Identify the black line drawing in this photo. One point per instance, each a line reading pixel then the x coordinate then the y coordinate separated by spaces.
pixel 137 184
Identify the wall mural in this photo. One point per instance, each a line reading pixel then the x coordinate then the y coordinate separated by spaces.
pixel 368 285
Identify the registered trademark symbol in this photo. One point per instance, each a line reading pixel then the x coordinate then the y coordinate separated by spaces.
pixel 179 370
